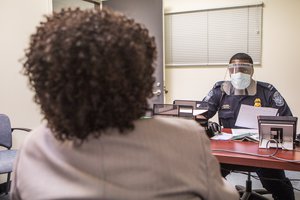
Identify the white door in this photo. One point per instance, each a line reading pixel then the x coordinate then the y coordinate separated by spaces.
pixel 150 13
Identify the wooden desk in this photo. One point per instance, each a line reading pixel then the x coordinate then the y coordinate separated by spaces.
pixel 254 161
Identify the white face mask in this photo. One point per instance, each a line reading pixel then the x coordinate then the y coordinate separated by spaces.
pixel 240 80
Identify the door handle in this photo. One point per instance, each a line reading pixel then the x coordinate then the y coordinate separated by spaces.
pixel 157 92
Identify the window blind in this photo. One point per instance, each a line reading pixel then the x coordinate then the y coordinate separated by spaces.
pixel 211 37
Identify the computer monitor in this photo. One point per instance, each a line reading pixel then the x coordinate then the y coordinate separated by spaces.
pixel 199 107
pixel 173 110
pixel 203 105
pixel 277 131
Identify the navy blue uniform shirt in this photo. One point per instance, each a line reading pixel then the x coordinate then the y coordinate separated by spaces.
pixel 228 105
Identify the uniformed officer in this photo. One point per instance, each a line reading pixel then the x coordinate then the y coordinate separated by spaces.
pixel 226 98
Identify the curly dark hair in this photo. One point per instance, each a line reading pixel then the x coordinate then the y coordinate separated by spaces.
pixel 90 70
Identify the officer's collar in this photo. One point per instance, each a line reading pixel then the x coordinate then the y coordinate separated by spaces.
pixel 230 90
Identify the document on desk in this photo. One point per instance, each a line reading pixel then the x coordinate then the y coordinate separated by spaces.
pixel 245 134
pixel 241 131
pixel 238 134
pixel 222 136
pixel 247 116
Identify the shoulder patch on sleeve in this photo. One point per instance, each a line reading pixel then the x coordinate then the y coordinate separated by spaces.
pixel 209 95
pixel 266 85
pixel 278 99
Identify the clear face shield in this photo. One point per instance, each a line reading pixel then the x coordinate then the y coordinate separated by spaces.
pixel 245 68
pixel 240 74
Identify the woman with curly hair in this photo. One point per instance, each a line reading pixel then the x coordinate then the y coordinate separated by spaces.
pixel 92 73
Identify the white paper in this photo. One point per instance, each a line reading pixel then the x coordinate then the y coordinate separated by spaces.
pixel 248 115
pixel 236 132
pixel 185 110
pixel 195 112
pixel 222 136
pixel 198 112
pixel 251 133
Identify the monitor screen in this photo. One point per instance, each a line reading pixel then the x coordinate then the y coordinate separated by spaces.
pixel 277 131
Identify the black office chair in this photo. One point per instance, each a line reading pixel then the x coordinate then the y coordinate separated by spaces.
pixel 8 155
pixel 246 192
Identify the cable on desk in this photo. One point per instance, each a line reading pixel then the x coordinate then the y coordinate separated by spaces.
pixel 277 147
pixel 259 155
pixel 286 160
pixel 281 159
pixel 245 153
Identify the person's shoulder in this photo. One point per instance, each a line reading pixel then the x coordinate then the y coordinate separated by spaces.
pixel 218 84
pixel 38 137
pixel 41 131
pixel 175 127
pixel 176 123
pixel 217 89
pixel 266 86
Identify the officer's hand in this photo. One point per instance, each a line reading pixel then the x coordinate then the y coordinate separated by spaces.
pixel 214 127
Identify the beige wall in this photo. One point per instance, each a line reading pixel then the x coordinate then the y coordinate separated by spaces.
pixel 280 53
pixel 18 20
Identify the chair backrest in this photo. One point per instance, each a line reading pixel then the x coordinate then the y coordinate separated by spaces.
pixel 5 131
pixel 166 109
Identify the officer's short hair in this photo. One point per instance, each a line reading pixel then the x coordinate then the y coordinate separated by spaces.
pixel 241 56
